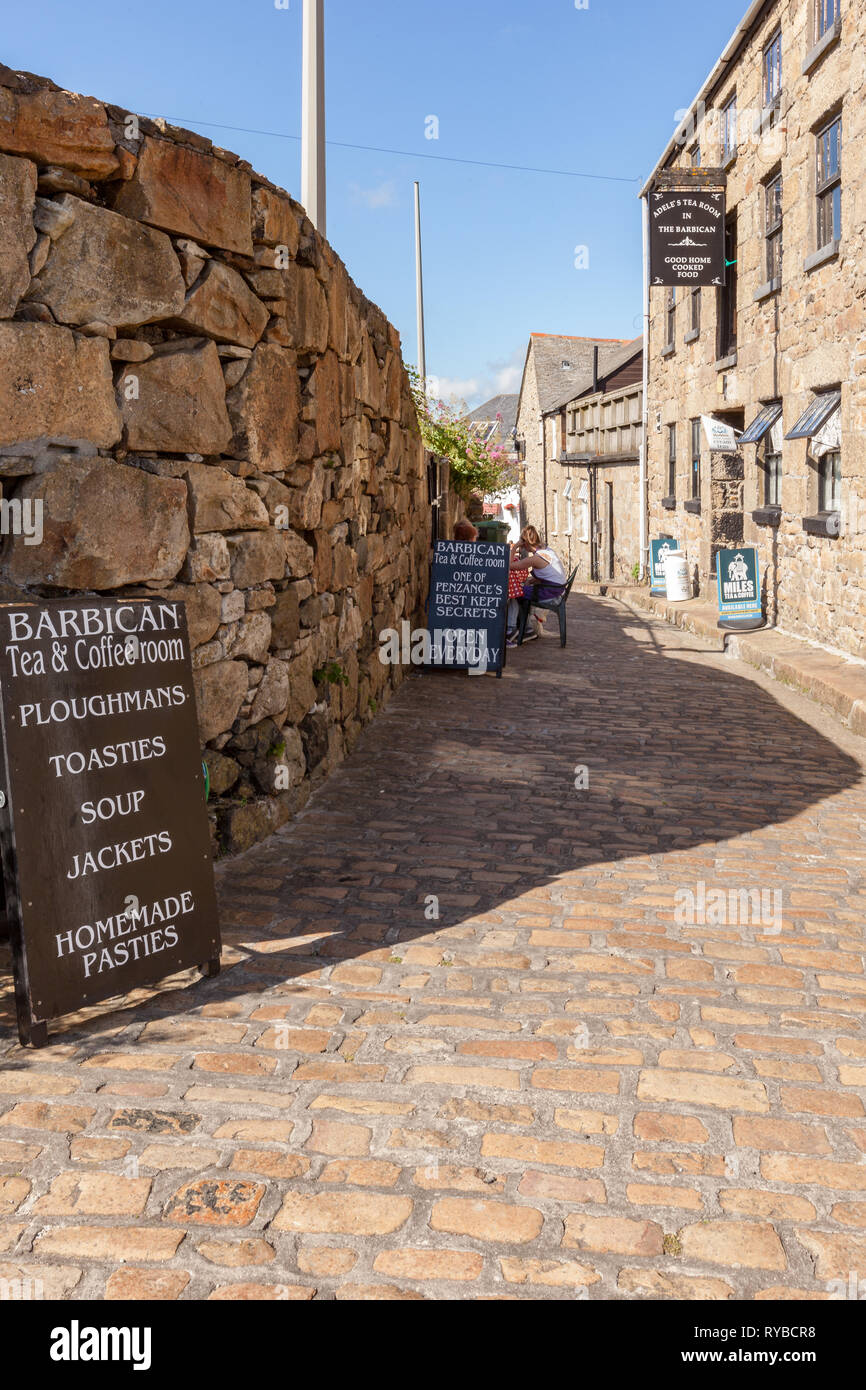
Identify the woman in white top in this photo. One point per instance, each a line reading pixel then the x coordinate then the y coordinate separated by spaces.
pixel 546 578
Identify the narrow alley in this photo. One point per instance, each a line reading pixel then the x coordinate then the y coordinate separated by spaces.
pixel 554 990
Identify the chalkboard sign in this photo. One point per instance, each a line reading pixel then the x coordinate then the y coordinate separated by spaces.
pixel 469 605
pixel 106 852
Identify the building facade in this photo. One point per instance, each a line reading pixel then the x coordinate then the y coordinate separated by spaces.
pixel 593 498
pixel 555 368
pixel 779 353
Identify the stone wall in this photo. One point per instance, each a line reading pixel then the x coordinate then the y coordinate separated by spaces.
pixel 207 408
pixel 793 341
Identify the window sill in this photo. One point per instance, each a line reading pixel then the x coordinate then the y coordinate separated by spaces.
pixel 828 41
pixel 826 253
pixel 772 287
pixel 692 336
pixel 669 504
pixel 724 364
pixel 693 505
pixel 767 516
pixel 669 349
pixel 823 524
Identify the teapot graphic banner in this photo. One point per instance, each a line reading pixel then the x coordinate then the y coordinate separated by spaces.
pixel 739 582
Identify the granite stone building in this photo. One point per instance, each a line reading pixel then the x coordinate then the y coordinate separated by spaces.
pixel 778 353
pixel 555 367
pixel 592 498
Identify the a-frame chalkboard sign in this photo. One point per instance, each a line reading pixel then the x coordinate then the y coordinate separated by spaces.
pixel 105 844
pixel 468 606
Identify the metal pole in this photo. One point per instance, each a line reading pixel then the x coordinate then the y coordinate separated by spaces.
pixel 419 280
pixel 642 486
pixel 313 115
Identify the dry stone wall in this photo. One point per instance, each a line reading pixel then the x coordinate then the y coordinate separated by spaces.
pixel 206 407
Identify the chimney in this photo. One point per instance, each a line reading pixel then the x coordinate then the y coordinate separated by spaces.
pixel 595 368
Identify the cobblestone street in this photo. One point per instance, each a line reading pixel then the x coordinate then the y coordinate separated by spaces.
pixel 571 1083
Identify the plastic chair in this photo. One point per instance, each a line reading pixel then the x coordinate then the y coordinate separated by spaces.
pixel 553 605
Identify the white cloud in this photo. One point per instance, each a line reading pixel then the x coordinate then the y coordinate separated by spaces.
pixel 502 377
pixel 451 388
pixel 384 195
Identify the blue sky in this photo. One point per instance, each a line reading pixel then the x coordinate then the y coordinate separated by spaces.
pixel 521 82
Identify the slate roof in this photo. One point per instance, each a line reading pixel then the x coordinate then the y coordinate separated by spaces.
pixel 608 363
pixel 552 350
pixel 506 406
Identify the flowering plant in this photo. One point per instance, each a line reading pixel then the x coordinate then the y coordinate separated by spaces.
pixel 476 465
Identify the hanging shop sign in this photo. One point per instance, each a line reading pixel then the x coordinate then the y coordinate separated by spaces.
pixel 104 831
pixel 687 237
pixel 739 586
pixel 468 605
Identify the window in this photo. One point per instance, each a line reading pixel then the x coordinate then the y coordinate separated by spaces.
pixel 830 482
pixel 569 507
pixel 816 414
pixel 826 14
pixel 729 130
pixel 696 459
pixel 762 423
pixel 773 227
pixel 672 460
pixel 696 157
pixel 772 476
pixel 671 318
pixel 829 184
pixel 695 311
pixel 728 294
pixel 773 70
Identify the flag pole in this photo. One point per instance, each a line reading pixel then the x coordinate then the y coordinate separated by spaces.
pixel 419 280
pixel 313 115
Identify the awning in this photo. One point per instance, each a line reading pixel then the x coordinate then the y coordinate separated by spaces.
pixel 816 415
pixel 761 425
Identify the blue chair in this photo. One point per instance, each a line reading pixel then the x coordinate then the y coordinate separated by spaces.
pixel 552 605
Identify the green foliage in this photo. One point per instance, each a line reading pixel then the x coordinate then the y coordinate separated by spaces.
pixel 475 465
pixel 332 674
pixel 277 750
pixel 635 571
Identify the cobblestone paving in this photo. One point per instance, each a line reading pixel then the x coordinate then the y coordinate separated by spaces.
pixel 571 1084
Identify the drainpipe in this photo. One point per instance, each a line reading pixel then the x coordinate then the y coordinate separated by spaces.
pixel 643 542
pixel 544 471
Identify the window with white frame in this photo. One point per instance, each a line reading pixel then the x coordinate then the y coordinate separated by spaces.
pixel 569 507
